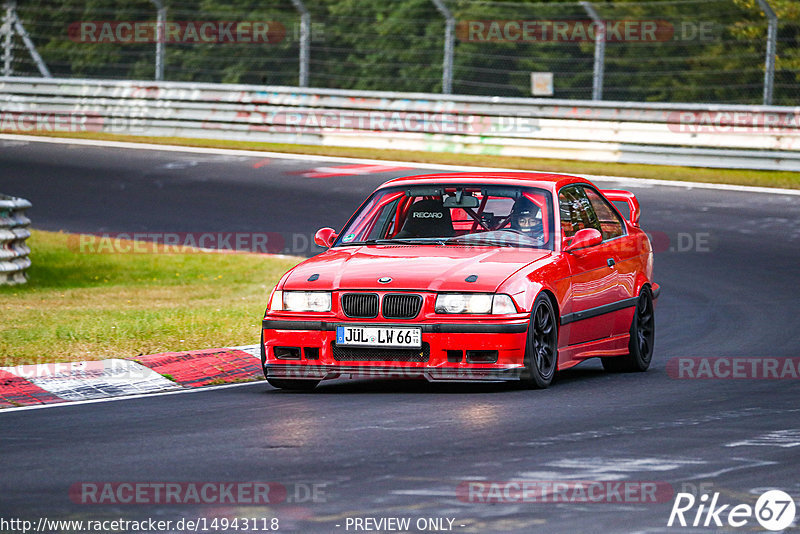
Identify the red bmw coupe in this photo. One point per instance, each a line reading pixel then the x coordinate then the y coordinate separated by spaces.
pixel 470 276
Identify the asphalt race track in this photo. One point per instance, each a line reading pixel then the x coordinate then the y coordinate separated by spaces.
pixel 728 263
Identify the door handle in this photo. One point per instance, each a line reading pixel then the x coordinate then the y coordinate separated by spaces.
pixel 611 262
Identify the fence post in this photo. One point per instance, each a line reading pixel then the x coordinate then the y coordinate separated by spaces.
pixel 772 40
pixel 8 43
pixel 449 35
pixel 161 21
pixel 599 51
pixel 14 24
pixel 305 41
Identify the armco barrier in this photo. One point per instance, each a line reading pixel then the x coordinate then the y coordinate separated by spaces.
pixel 13 233
pixel 748 137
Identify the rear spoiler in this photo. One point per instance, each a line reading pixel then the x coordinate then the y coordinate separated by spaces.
pixel 617 195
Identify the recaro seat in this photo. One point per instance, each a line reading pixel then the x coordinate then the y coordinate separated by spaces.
pixel 427 218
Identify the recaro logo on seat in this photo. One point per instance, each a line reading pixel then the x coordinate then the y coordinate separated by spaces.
pixel 428 215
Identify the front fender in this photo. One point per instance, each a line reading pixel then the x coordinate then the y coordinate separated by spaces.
pixel 526 284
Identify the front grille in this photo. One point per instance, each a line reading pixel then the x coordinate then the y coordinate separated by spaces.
pixel 401 306
pixel 360 305
pixel 350 354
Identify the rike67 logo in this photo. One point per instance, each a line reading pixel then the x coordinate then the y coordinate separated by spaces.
pixel 774 510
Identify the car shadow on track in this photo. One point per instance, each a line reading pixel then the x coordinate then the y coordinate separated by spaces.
pixel 344 386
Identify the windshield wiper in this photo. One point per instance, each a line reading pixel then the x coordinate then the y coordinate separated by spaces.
pixel 412 241
pixel 394 241
pixel 477 240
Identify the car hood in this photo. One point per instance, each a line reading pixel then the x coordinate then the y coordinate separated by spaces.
pixel 433 268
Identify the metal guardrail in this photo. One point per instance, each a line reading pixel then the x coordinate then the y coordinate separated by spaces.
pixel 736 136
pixel 14 231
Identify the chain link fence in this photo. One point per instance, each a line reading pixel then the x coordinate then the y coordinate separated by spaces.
pixel 711 51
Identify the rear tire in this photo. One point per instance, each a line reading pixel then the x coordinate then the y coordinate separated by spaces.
pixel 541 350
pixel 642 336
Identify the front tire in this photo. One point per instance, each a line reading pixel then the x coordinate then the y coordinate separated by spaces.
pixel 642 336
pixel 541 349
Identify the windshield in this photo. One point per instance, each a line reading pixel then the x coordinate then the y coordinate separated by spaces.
pixel 480 215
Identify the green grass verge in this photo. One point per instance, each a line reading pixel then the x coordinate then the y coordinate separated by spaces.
pixel 83 306
pixel 783 179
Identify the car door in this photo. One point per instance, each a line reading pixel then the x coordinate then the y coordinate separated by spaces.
pixel 625 251
pixel 594 283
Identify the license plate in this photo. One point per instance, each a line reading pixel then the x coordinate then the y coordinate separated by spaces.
pixel 379 336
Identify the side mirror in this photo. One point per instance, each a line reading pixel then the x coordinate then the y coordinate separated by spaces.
pixel 588 237
pixel 325 237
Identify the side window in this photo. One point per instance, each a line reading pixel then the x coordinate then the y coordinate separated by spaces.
pixel 576 211
pixel 611 225
pixel 569 217
pixel 384 222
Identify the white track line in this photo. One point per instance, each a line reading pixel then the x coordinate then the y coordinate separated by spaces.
pixel 433 166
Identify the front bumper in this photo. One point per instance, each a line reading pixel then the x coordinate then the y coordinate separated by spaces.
pixel 432 374
pixel 316 358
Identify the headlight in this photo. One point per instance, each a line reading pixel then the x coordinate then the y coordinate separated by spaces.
pixel 479 303
pixel 301 301
pixel 276 301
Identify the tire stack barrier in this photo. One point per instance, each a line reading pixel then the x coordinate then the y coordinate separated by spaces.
pixel 14 260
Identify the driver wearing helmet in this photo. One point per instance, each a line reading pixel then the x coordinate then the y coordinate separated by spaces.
pixel 527 218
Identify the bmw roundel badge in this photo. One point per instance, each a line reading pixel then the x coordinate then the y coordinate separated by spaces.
pixel 384 280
